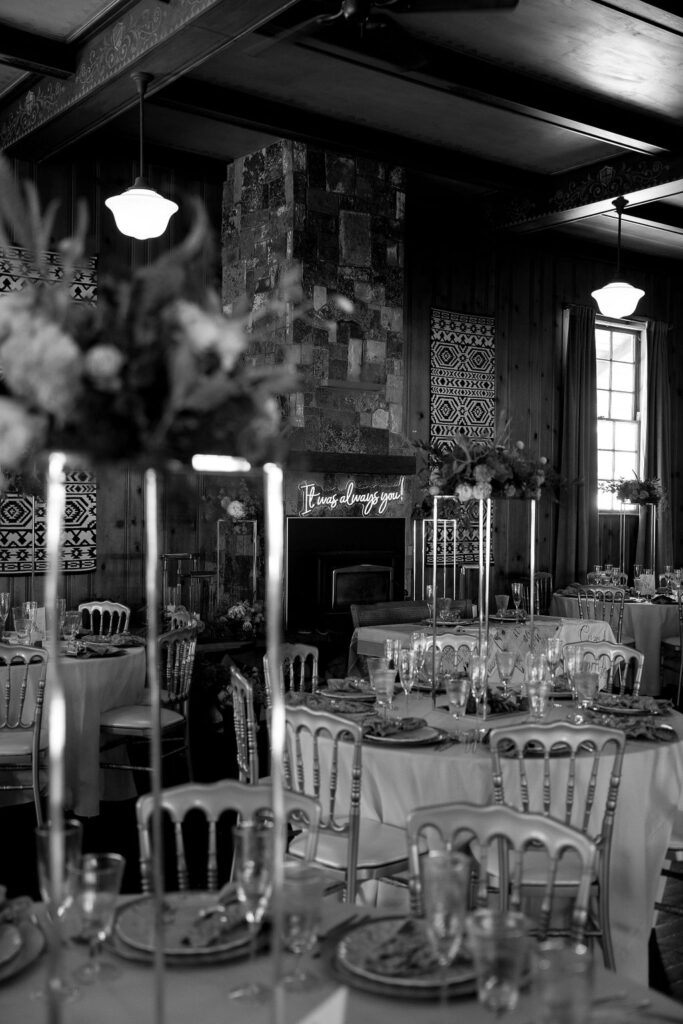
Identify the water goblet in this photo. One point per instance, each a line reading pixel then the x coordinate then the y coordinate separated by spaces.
pixel 517 594
pixel 505 662
pixel 4 610
pixel 478 681
pixel 586 684
pixel 30 609
pixel 444 609
pixel 22 629
pixel 58 895
pixel 499 945
pixel 97 883
pixel 406 672
pixel 502 602
pixel 445 878
pixel 303 888
pixel 553 653
pixel 253 875
pixel 458 690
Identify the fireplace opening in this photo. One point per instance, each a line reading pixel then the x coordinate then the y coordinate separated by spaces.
pixel 333 562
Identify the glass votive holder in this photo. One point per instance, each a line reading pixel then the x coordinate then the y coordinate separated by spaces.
pixel 537 693
pixel 586 687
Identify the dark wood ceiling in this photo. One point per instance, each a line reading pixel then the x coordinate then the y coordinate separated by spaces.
pixel 544 110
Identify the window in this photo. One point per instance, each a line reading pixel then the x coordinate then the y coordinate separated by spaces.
pixel 618 352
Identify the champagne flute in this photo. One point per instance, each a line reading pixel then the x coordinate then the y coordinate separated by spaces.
pixel 303 888
pixel 406 672
pixel 517 595
pixel 500 948
pixel 253 875
pixel 97 884
pixel 445 878
pixel 58 896
pixel 479 683
pixel 505 662
pixel 553 653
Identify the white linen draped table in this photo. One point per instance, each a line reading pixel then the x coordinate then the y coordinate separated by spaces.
pixel 369 640
pixel 201 994
pixel 397 779
pixel 647 623
pixel 91 686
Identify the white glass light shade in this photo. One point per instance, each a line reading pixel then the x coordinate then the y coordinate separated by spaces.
pixel 617 299
pixel 140 211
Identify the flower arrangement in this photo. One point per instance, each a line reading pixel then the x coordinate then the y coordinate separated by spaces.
pixel 237 505
pixel 468 470
pixel 242 618
pixel 153 370
pixel 636 491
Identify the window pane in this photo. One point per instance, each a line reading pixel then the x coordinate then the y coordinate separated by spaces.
pixel 624 465
pixel 603 344
pixel 605 433
pixel 622 405
pixel 603 373
pixel 605 470
pixel 603 403
pixel 626 437
pixel 623 347
pixel 624 376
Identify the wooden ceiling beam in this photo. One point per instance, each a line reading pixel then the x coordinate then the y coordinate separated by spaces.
pixel 279 119
pixel 34 53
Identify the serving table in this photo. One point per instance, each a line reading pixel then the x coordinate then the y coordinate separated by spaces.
pixel 647 623
pixel 368 641
pixel 201 993
pixel 398 778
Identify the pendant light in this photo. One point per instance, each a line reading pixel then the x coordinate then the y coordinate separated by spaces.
pixel 140 211
pixel 618 299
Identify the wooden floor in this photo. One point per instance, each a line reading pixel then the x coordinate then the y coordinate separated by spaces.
pixel 669 932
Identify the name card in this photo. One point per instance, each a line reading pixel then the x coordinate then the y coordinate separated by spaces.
pixel 371 501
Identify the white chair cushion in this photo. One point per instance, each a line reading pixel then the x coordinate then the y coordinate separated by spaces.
pixel 135 718
pixel 17 744
pixel 671 641
pixel 378 845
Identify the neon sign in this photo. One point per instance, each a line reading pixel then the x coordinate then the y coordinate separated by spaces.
pixel 375 501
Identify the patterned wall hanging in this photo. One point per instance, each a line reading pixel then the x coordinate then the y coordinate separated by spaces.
pixel 22 529
pixel 462 398
pixel 17 268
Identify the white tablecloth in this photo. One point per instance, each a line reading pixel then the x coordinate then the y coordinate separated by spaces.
pixel 201 994
pixel 369 640
pixel 91 686
pixel 398 779
pixel 646 623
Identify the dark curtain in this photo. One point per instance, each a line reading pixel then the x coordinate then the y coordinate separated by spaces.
pixel 657 460
pixel 577 532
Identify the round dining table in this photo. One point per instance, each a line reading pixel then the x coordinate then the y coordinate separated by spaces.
pixel 397 778
pixel 646 623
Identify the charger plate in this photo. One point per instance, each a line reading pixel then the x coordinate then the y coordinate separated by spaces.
pixel 32 945
pixel 10 942
pixel 389 956
pixel 185 937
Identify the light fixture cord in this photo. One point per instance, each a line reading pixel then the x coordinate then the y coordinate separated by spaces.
pixel 141 89
pixel 618 227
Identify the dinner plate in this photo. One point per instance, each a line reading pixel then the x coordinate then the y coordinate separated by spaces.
pixel 510 618
pixel 341 705
pixel 10 942
pixel 32 945
pixel 358 695
pixel 415 738
pixel 646 706
pixel 185 935
pixel 393 954
pixel 141 956
pixel 447 622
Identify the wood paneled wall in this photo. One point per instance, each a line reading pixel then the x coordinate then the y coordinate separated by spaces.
pixel 453 262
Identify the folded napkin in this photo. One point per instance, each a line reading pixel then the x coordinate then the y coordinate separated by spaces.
pixel 87 651
pixel 570 590
pixel 380 727
pixel 638 728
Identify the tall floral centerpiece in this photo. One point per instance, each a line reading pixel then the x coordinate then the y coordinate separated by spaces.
pixel 463 470
pixel 648 492
pixel 154 372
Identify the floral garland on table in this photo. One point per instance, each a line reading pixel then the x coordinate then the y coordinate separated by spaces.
pixel 469 470
pixel 241 619
pixel 153 370
pixel 636 491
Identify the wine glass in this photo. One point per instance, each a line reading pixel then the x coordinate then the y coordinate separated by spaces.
pixel 253 875
pixel 478 678
pixel 553 653
pixel 517 594
pixel 499 945
pixel 58 897
pixel 30 609
pixel 303 888
pixel 96 883
pixel 406 672
pixel 506 661
pixel 445 877
pixel 4 610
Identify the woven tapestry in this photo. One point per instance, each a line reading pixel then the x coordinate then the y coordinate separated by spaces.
pixel 17 268
pixel 22 531
pixel 462 398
